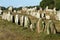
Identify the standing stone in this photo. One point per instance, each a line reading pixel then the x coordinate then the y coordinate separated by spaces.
pixel 43 15
pixel 11 18
pixel 8 16
pixel 4 16
pixel 0 11
pixel 38 15
pixel 10 8
pixel 47 17
pixel 52 27
pixel 39 26
pixel 58 15
pixel 43 25
pixel 47 28
pixel 27 22
pixel 16 19
pixel 29 11
pixel 33 14
pixel 46 8
pixel 54 10
pixel 15 11
pixel 32 27
pixel 21 19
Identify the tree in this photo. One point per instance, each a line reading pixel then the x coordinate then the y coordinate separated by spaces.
pixel 57 4
pixel 49 3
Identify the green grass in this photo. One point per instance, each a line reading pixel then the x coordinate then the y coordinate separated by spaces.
pixel 11 31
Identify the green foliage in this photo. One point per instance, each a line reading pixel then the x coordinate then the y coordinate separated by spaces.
pixel 50 3
pixel 19 8
pixel 57 4
pixel 3 8
pixel 33 7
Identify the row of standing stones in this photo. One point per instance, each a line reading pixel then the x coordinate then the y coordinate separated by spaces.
pixel 41 25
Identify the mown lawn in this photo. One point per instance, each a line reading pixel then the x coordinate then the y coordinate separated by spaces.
pixel 11 31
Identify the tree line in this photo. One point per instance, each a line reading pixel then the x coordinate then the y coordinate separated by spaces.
pixel 50 3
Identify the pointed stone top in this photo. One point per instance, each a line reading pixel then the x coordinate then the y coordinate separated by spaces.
pixel 40 8
pixel 10 8
pixel 46 7
pixel 54 9
pixel 35 7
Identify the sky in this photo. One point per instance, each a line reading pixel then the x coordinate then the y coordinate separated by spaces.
pixel 19 3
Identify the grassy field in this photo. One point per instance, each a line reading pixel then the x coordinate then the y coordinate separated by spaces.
pixel 11 31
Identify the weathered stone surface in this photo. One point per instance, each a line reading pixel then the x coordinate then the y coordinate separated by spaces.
pixel 47 17
pixel 16 19
pixel 34 14
pixel 37 15
pixel 15 11
pixel 11 16
pixel 27 21
pixel 1 11
pixel 32 26
pixel 54 10
pixel 50 27
pixel 21 19
pixel 43 15
pixel 39 26
pixel 4 16
pixel 47 29
pixel 10 8
pixel 43 24
pixel 58 15
pixel 8 16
